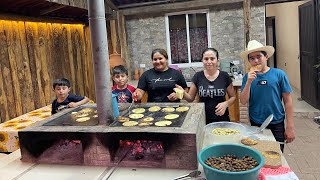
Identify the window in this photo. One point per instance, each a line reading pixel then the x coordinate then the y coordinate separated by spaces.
pixel 187 36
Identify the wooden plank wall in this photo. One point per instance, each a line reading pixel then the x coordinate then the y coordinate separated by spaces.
pixel 32 55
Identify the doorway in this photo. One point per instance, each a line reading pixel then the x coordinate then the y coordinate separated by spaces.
pixel 271 40
pixel 308 54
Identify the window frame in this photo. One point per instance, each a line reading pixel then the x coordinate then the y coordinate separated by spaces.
pixel 186 13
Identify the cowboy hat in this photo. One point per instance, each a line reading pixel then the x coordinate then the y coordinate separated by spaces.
pixel 254 46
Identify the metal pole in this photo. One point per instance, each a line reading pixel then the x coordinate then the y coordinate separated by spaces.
pixel 100 55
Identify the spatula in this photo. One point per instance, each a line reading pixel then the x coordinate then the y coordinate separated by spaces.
pixel 264 125
pixel 192 174
pixel 134 98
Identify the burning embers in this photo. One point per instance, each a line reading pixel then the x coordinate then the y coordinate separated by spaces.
pixel 140 149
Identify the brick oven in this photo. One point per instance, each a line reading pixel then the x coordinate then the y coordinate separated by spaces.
pixel 61 141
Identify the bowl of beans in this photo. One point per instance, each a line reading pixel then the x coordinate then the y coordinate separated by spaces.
pixel 230 161
pixel 223 132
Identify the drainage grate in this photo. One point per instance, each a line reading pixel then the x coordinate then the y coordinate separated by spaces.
pixel 317 120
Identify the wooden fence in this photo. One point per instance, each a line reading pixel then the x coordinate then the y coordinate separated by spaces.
pixel 32 55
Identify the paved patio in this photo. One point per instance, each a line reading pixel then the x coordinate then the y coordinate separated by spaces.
pixel 303 155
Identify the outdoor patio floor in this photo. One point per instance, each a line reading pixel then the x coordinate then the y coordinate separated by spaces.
pixel 303 154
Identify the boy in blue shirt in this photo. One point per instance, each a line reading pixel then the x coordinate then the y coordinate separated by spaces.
pixel 265 88
pixel 61 88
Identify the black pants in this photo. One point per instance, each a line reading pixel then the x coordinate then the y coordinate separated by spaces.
pixel 277 131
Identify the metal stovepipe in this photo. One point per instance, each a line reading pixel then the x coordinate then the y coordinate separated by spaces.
pixel 100 56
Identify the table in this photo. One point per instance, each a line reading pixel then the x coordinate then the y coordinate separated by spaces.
pixel 12 168
pixel 9 140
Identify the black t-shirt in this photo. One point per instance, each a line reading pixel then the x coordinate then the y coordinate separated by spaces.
pixel 160 84
pixel 212 93
pixel 56 106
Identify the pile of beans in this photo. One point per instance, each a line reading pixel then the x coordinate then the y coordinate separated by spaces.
pixel 231 163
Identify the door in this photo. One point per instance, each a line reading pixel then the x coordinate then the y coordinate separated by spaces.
pixel 317 15
pixel 307 38
pixel 271 40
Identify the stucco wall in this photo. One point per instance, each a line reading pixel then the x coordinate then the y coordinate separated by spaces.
pixel 287 38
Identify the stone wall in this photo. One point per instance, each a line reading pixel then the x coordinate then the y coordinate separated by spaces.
pixel 227 30
pixel 144 35
pixel 227 36
pixel 226 26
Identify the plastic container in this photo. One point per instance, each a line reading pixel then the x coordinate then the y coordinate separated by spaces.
pixel 115 106
pixel 232 149
pixel 211 138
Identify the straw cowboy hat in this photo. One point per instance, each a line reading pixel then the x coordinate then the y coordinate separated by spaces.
pixel 254 46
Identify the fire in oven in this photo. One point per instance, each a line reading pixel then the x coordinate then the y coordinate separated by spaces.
pixel 140 150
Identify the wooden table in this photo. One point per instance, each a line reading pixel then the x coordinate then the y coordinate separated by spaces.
pixel 9 140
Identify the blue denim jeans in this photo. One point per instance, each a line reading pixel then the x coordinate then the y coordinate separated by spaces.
pixel 277 131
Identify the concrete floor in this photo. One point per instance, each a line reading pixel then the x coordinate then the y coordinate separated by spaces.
pixel 303 154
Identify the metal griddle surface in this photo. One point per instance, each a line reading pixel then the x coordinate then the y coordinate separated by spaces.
pixel 158 116
pixel 67 120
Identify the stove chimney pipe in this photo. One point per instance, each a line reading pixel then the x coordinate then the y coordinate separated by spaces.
pixel 100 56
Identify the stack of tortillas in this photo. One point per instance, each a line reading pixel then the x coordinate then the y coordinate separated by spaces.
pixel 270 151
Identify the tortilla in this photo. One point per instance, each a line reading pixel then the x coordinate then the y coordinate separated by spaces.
pixel 249 141
pixel 123 119
pixel 179 93
pixel 148 119
pixel 83 119
pixel 168 109
pixel 130 123
pixel 182 109
pixel 171 116
pixel 136 116
pixel 145 123
pixel 256 68
pixel 154 108
pixel 86 110
pixel 163 123
pixel 79 115
pixel 138 110
pixel 271 154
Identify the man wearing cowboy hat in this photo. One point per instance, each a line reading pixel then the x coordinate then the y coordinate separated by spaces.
pixel 264 88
